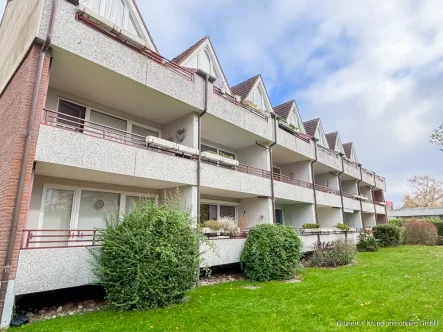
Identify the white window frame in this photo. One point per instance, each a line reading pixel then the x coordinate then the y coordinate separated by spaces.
pixel 129 123
pixel 218 203
pixel 73 224
pixel 218 150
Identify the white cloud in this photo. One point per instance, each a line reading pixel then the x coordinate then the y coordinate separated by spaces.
pixel 372 70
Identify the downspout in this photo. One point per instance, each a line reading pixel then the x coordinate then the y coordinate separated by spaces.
pixel 25 158
pixel 271 162
pixel 359 194
pixel 373 201
pixel 199 138
pixel 340 187
pixel 313 180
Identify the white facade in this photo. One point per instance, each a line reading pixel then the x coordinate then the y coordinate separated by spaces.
pixel 105 100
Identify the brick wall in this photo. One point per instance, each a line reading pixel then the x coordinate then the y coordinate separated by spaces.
pixel 15 106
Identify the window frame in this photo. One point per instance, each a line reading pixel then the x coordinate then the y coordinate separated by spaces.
pixel 218 203
pixel 129 123
pixel 73 224
pixel 218 150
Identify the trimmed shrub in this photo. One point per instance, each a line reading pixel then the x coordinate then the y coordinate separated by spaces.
pixel 271 252
pixel 388 235
pixel 396 221
pixel 366 242
pixel 332 254
pixel 439 224
pixel 148 260
pixel 310 226
pixel 420 232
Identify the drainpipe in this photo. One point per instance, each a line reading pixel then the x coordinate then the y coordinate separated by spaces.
pixel 25 158
pixel 207 78
pixel 340 187
pixel 271 162
pixel 359 193
pixel 313 180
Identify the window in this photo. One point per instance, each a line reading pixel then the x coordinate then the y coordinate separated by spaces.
pixel 277 173
pixel 70 115
pixel 279 216
pixel 110 122
pixel 117 11
pixel 93 206
pixel 258 99
pixel 82 209
pixel 217 211
pixel 226 154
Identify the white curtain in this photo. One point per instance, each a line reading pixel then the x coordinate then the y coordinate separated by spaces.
pixel 114 11
pixel 92 4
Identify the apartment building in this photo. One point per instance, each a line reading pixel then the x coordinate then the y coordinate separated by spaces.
pixel 94 118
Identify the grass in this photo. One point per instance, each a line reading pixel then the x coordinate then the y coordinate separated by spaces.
pixel 396 284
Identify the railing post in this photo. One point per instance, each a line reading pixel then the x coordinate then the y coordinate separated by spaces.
pixel 93 237
pixel 27 239
pixel 104 132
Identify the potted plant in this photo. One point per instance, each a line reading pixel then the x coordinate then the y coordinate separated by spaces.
pixel 311 227
pixel 343 227
pixel 212 227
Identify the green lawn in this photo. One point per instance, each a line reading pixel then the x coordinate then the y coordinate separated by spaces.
pixel 397 284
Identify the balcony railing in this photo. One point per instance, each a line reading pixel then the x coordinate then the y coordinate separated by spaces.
pixel 57 238
pixel 291 180
pixel 146 52
pixel 232 99
pixel 349 195
pixel 94 129
pixel 327 190
pixel 301 136
pixel 328 151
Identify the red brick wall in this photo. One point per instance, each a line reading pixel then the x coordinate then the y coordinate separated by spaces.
pixel 15 107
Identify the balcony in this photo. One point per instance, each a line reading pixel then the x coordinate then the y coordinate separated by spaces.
pixel 65 140
pixel 329 158
pixel 293 141
pixel 83 49
pixel 368 176
pixel 288 188
pixel 380 183
pixel 350 168
pixel 327 196
pixel 380 208
pixel 241 181
pixel 368 206
pixel 227 108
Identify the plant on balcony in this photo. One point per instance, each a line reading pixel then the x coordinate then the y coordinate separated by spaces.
pixel 150 259
pixel 343 227
pixel 337 253
pixel 310 226
pixel 229 226
pixel 213 225
pixel 225 155
pixel 366 242
pixel 388 235
pixel 271 252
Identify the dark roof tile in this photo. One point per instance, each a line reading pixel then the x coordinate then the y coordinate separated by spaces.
pixel 332 139
pixel 182 56
pixel 348 149
pixel 284 109
pixel 244 88
pixel 311 126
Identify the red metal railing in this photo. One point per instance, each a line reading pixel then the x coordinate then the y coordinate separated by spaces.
pixel 291 180
pixel 254 171
pixel 328 151
pixel 57 238
pixel 304 137
pixel 349 195
pixel 232 99
pixel 94 129
pixel 148 53
pixel 327 190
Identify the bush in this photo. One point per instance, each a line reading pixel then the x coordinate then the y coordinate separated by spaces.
pixel 332 254
pixel 310 226
pixel 271 252
pixel 420 232
pixel 148 260
pixel 396 221
pixel 439 224
pixel 229 225
pixel 343 227
pixel 366 242
pixel 388 235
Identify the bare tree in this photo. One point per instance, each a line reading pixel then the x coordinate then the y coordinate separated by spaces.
pixel 426 191
pixel 437 136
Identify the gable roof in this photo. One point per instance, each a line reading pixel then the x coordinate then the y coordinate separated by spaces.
pixel 332 139
pixel 186 53
pixel 243 89
pixel 311 126
pixel 186 57
pixel 145 26
pixel 348 149
pixel 284 109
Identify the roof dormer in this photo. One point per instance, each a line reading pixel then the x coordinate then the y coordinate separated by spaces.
pixel 253 93
pixel 315 128
pixel 202 56
pixel 289 112
pixel 334 142
pixel 350 152
pixel 124 14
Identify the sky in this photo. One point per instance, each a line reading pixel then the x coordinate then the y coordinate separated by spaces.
pixel 371 70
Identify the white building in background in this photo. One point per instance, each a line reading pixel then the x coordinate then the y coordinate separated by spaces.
pixel 116 122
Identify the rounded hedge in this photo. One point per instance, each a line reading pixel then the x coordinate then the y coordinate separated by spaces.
pixel 421 233
pixel 388 235
pixel 148 260
pixel 271 252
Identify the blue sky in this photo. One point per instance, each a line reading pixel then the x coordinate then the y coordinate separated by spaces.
pixel 373 70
